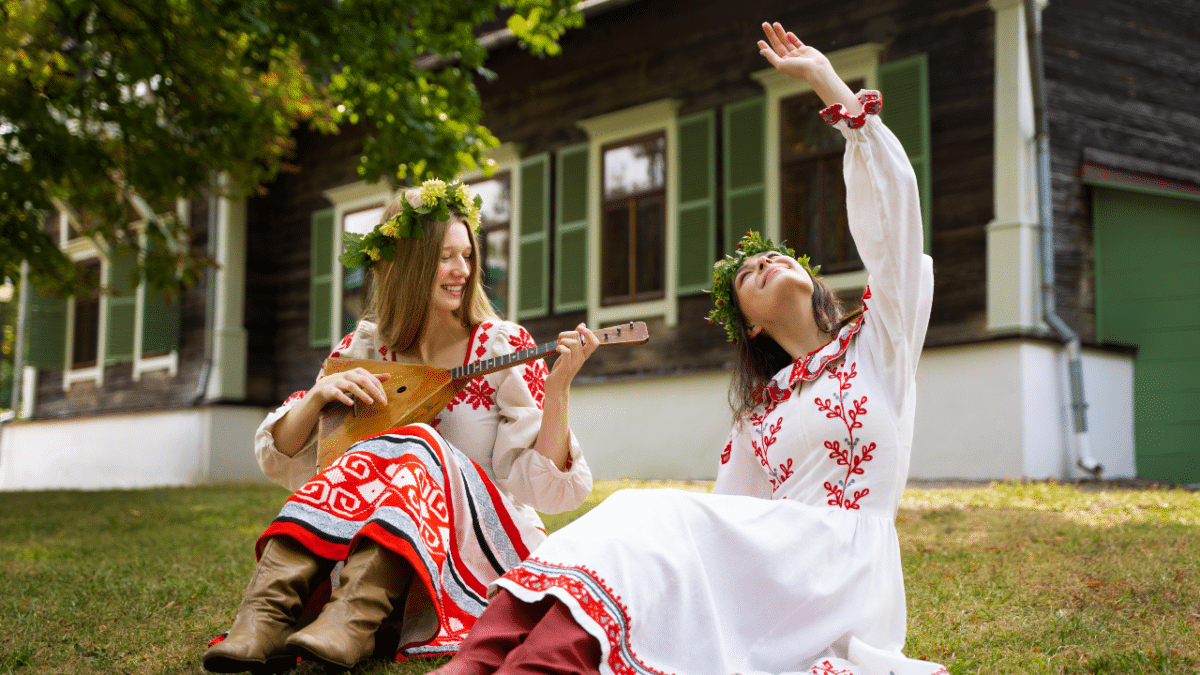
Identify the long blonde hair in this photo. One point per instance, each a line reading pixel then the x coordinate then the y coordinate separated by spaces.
pixel 399 292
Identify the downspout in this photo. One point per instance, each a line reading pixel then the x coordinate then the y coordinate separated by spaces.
pixel 1033 40
pixel 19 347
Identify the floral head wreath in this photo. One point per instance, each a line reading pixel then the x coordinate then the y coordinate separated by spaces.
pixel 724 270
pixel 433 198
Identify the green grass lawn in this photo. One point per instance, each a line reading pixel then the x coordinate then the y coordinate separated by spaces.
pixel 1007 578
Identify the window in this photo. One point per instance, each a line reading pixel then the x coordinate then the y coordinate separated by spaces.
pixel 354 291
pixel 85 332
pixel 813 213
pixel 633 220
pixel 494 237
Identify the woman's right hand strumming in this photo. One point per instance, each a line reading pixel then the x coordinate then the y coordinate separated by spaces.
pixel 295 427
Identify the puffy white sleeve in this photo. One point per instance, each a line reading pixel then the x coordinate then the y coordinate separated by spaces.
pixel 740 472
pixel 884 212
pixel 293 472
pixel 520 470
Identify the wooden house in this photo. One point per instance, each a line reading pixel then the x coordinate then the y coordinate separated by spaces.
pixel 637 157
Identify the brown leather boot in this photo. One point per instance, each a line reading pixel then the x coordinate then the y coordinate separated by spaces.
pixel 282 582
pixel 344 634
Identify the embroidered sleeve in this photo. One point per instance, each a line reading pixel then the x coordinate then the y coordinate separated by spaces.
pixel 740 472
pixel 293 472
pixel 884 212
pixel 519 468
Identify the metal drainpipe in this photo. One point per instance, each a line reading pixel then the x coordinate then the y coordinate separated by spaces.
pixel 1033 41
pixel 19 347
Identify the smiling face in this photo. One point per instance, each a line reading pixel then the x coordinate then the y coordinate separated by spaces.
pixel 770 283
pixel 454 269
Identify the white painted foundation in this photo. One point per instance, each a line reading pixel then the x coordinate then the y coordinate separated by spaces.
pixel 181 447
pixel 986 411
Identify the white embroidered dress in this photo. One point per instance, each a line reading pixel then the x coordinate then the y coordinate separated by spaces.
pixel 793 564
pixel 458 498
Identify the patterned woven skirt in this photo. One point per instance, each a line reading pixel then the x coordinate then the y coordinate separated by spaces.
pixel 412 492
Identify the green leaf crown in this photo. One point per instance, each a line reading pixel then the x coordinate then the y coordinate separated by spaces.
pixel 433 198
pixel 724 270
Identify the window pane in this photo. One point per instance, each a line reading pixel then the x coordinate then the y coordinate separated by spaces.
pixel 86 335
pixel 353 278
pixel 497 199
pixel 814 190
pixel 496 211
pixel 496 268
pixel 635 168
pixel 651 229
pixel 614 247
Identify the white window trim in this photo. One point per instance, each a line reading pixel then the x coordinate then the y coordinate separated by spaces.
pixel 79 249
pixel 852 63
pixel 346 199
pixel 170 360
pixel 506 157
pixel 602 130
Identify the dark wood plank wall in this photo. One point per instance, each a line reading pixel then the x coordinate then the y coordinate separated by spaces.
pixel 1122 77
pixel 645 51
pixel 156 390
pixel 277 276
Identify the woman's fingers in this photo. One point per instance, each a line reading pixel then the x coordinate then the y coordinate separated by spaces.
pixel 776 44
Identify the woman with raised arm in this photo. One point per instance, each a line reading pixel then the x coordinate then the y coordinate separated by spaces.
pixel 415 523
pixel 793 564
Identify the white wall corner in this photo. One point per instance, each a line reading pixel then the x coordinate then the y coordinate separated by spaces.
pixel 1012 236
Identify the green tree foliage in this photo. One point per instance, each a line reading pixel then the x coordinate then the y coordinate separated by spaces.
pixel 116 108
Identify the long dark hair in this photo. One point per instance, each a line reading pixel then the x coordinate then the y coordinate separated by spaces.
pixel 760 357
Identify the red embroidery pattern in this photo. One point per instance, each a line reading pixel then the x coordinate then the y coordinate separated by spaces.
pixel 849 456
pixel 295 397
pixel 826 668
pixel 871 102
pixel 727 452
pixel 777 477
pixel 521 340
pixel 535 379
pixel 477 393
pixel 616 628
pixel 345 343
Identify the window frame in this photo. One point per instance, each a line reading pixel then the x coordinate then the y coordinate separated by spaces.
pixel 860 62
pixel 604 130
pixel 347 199
pixel 80 249
pixel 505 159
pixel 631 248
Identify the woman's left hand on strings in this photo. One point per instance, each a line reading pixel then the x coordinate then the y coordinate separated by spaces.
pixel 574 348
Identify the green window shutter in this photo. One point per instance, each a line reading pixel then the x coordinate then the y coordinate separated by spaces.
pixel 320 283
pixel 571 229
pixel 121 304
pixel 162 323
pixel 533 244
pixel 697 220
pixel 904 85
pixel 46 333
pixel 745 154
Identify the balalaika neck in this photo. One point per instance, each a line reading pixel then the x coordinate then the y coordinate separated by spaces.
pixel 477 368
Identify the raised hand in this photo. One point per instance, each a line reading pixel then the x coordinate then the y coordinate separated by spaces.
pixel 792 57
pixel 789 55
